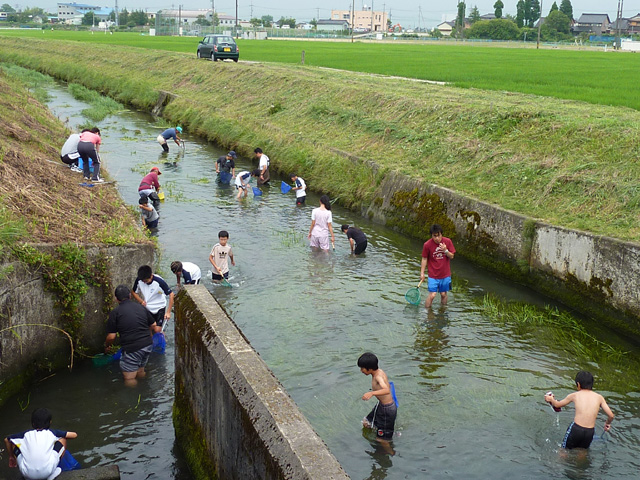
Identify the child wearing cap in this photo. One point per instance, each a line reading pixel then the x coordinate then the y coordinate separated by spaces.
pixel 227 164
pixel 166 135
pixel 150 183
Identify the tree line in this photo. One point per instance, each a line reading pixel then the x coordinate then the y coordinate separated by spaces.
pixel 555 26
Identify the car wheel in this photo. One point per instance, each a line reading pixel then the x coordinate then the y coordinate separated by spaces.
pixel 213 57
pixel 235 60
pixel 198 54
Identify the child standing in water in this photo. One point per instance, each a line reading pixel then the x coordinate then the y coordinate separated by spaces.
pixel 587 404
pixel 321 226
pixel 219 256
pixel 383 416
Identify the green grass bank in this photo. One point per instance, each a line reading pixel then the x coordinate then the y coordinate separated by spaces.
pixel 568 163
pixel 570 73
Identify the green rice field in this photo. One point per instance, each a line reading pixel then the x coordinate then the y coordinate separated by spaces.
pixel 607 78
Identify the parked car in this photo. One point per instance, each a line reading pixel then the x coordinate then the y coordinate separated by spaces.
pixel 218 47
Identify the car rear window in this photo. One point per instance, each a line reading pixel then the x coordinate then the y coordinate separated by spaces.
pixel 225 40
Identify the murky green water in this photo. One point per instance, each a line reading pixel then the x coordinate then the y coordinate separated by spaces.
pixel 470 390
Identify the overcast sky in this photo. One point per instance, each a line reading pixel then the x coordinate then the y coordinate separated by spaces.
pixel 409 13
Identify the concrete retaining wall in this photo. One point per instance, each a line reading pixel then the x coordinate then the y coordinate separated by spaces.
pixel 595 274
pixel 232 416
pixel 23 301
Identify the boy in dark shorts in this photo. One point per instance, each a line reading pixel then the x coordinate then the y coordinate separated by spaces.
pixel 383 416
pixel 587 404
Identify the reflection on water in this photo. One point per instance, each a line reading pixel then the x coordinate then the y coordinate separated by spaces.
pixel 470 390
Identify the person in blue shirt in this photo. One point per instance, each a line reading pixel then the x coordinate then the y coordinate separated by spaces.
pixel 167 134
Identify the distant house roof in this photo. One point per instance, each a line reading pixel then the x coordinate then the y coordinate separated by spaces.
pixel 624 24
pixel 488 16
pixel 594 18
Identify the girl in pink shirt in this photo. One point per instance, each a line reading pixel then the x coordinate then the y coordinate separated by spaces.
pixel 88 149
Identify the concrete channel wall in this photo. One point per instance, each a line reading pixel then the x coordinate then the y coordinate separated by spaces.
pixel 232 416
pixel 25 345
pixel 596 274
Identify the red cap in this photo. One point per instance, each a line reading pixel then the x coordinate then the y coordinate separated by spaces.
pixel 157 170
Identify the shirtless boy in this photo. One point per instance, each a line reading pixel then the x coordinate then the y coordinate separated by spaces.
pixel 383 415
pixel 587 404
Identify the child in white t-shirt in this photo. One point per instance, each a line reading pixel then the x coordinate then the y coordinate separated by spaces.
pixel 219 256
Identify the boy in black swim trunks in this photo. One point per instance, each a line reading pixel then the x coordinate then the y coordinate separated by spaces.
pixel 383 416
pixel 587 404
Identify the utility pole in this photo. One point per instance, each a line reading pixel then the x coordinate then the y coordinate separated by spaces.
pixel 372 17
pixel 116 13
pixel 539 26
pixel 618 20
pixel 236 18
pixel 180 20
pixel 353 18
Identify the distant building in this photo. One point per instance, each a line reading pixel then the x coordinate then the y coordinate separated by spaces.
pixel 634 24
pixel 593 23
pixel 364 20
pixel 187 16
pixel 446 28
pixel 73 13
pixel 332 25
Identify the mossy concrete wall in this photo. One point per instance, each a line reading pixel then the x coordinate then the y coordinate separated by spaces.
pixel 232 416
pixel 24 301
pixel 595 274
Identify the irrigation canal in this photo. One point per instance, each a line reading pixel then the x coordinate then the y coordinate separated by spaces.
pixel 470 389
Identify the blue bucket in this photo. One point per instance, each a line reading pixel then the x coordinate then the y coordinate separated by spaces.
pixel 256 191
pixel 225 177
pixel 285 187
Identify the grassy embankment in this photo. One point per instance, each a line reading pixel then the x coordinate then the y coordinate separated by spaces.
pixel 605 78
pixel 40 199
pixel 568 163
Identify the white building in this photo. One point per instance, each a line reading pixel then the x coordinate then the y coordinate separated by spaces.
pixel 72 13
pixel 364 20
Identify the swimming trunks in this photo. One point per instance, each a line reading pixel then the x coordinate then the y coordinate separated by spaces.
pixel 383 419
pixel 577 436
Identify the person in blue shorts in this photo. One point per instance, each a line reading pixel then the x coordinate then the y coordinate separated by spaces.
pixel 437 253
pixel 168 134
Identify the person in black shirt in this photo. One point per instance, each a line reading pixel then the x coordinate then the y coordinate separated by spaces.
pixel 135 324
pixel 357 239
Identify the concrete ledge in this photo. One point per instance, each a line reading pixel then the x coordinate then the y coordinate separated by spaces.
pixel 229 401
pixel 110 472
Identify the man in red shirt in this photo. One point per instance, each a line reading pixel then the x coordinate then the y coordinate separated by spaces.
pixel 437 254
